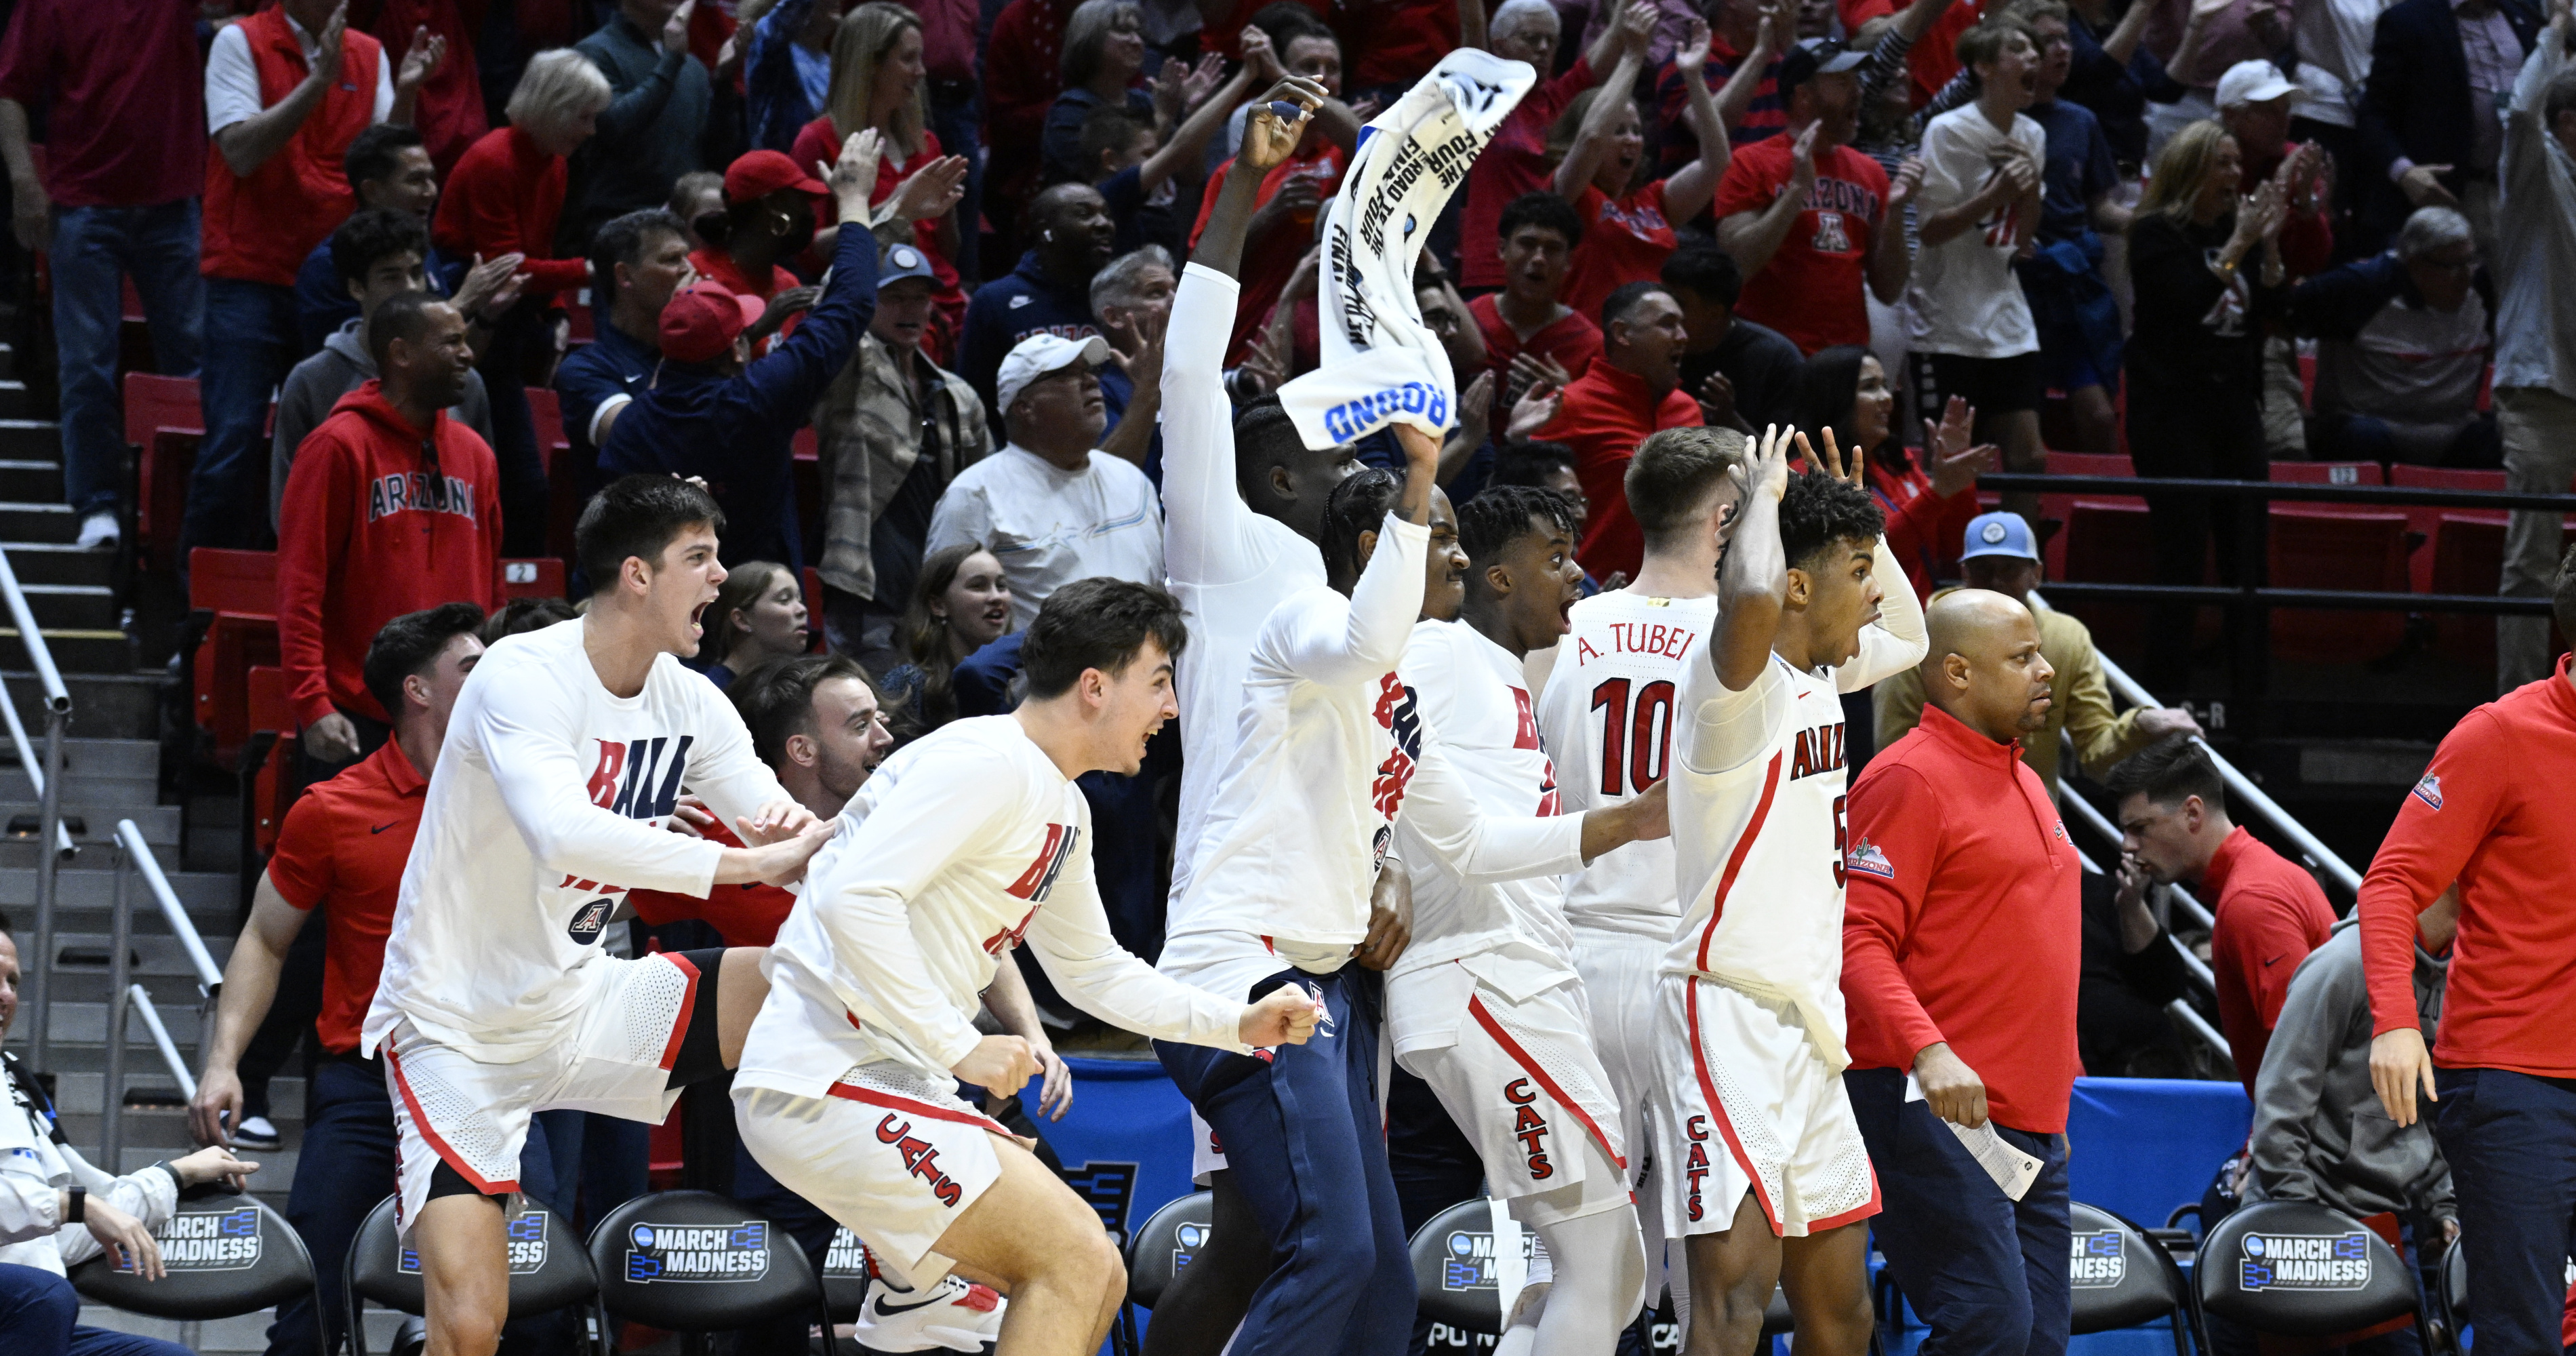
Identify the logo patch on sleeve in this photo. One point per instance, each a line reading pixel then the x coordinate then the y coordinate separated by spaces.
pixel 2429 791
pixel 1865 857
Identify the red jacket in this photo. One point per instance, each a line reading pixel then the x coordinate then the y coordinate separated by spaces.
pixel 505 197
pixel 1964 919
pixel 2270 915
pixel 260 228
pixel 1606 413
pixel 2491 813
pixel 448 109
pixel 1924 531
pixel 748 914
pixel 365 535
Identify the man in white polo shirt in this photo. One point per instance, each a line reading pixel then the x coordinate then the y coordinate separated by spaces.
pixel 1051 506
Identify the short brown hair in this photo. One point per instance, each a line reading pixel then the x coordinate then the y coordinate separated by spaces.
pixel 1986 42
pixel 1675 471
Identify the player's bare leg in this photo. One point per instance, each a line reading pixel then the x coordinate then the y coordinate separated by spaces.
pixel 1826 1276
pixel 1031 1238
pixel 740 990
pixel 1732 1275
pixel 464 1272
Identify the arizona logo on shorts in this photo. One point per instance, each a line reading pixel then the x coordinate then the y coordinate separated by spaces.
pixel 1865 857
pixel 587 923
pixel 2429 791
pixel 1695 1166
pixel 1530 1128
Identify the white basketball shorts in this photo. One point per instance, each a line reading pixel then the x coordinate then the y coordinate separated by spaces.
pixel 1748 1105
pixel 1523 1085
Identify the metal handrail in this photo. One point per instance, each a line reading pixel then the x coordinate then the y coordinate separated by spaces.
pixel 133 851
pixel 141 999
pixel 210 976
pixel 2179 1010
pixel 2240 785
pixel 49 799
pixel 33 763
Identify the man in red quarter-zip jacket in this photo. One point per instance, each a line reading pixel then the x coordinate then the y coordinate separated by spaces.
pixel 391 507
pixel 1962 942
pixel 2491 813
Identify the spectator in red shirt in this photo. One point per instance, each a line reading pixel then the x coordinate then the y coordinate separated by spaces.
pixel 1627 217
pixel 1023 72
pixel 768 218
pixel 1962 948
pixel 345 844
pixel 449 111
pixel 1811 221
pixel 1396 42
pixel 1515 161
pixel 125 155
pixel 1532 340
pixel 1283 222
pixel 1928 497
pixel 2270 913
pixel 391 506
pixel 1633 391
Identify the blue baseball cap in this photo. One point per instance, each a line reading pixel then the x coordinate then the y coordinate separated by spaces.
pixel 1999 534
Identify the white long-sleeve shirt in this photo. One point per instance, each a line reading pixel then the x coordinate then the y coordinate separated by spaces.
pixel 1304 812
pixel 1229 566
pixel 547 805
pixel 961 845
pixel 37 1165
pixel 1758 795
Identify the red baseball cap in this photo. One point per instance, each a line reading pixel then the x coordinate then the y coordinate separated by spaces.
pixel 702 321
pixel 757 174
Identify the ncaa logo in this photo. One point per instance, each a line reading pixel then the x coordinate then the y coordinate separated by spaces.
pixel 589 921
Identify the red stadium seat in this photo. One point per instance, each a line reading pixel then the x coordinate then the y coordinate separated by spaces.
pixel 2108 541
pixel 2343 548
pixel 237 592
pixel 2428 518
pixel 539 577
pixel 2467 556
pixel 545 410
pixel 2061 506
pixel 164 422
pixel 807 473
pixel 271 787
pixel 2327 473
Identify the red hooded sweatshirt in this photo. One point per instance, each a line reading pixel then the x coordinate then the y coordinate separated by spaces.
pixel 368 533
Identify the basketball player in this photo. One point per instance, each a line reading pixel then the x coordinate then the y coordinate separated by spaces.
pixel 566 751
pixel 1773 1182
pixel 963 844
pixel 1606 717
pixel 1486 1006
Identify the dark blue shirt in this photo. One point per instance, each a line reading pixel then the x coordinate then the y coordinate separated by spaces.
pixel 322 305
pixel 612 365
pixel 2117 94
pixel 735 431
pixel 982 684
pixel 2078 168
pixel 1010 308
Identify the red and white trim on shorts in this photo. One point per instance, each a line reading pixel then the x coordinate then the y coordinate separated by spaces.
pixel 688 1009
pixel 1717 1107
pixel 429 1134
pixel 1735 859
pixel 1485 1018
pixel 1852 1216
pixel 851 1092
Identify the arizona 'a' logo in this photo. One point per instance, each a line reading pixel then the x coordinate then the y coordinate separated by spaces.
pixel 588 921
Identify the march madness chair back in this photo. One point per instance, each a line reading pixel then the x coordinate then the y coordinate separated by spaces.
pixel 2120 1278
pixel 549 1267
pixel 223 1255
pixel 694 1261
pixel 2300 1270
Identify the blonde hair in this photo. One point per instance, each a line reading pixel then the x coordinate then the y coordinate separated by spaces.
pixel 2182 168
pixel 867 36
pixel 557 85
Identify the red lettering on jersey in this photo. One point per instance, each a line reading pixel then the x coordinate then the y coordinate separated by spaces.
pixel 1387 791
pixel 1696 1169
pixel 1390 693
pixel 603 779
pixel 1528 1119
pixel 1517 1092
pixel 1039 877
pixel 1009 936
pixel 1530 1128
pixel 1583 650
pixel 1696 1127
pixel 1525 732
pixel 1803 762
pixel 888 1132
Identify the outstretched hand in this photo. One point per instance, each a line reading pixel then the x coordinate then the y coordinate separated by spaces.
pixel 1767 473
pixel 1831 464
pixel 1270 138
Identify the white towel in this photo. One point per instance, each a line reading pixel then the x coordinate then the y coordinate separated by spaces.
pixel 1381 364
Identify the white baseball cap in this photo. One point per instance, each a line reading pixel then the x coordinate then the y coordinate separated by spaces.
pixel 2253 82
pixel 1041 354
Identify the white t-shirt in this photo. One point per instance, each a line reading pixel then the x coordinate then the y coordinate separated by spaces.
pixel 36 1167
pixel 961 845
pixel 1758 802
pixel 1607 717
pixel 232 79
pixel 1229 566
pixel 547 804
pixel 1050 526
pixel 1964 297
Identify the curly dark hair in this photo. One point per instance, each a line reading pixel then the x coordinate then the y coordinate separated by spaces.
pixel 1494 518
pixel 1818 511
pixel 1359 504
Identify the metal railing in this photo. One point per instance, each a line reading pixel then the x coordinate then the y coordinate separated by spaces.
pixel 2187 1016
pixel 48 783
pixel 128 996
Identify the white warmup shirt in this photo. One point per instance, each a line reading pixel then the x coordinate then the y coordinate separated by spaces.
pixel 1758 818
pixel 959 846
pixel 1050 526
pixel 37 1164
pixel 1229 566
pixel 548 804
pixel 1607 718
pixel 1964 297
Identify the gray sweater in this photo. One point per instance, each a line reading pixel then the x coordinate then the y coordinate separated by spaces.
pixel 318 382
pixel 2319 1131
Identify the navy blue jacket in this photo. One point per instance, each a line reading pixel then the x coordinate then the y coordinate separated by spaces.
pixel 2416 101
pixel 1009 309
pixel 322 305
pixel 735 431
pixel 2339 302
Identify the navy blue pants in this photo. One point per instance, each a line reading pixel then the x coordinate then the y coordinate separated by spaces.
pixel 256 336
pixel 1303 1137
pixel 2511 1142
pixel 344 1167
pixel 1988 1273
pixel 39 1316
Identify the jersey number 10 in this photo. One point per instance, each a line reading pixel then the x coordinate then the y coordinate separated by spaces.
pixel 1633 745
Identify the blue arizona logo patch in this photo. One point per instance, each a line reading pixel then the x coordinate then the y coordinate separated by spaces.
pixel 1865 857
pixel 2429 791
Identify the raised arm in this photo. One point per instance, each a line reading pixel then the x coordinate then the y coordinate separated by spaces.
pixel 1188 143
pixel 1690 187
pixel 1752 237
pixel 1737 96
pixel 246 145
pixel 1753 582
pixel 1268 141
pixel 1592 140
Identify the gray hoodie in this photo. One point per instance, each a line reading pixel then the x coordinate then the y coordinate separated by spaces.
pixel 2319 1131
pixel 318 382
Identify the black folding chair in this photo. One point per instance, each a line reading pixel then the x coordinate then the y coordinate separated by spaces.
pixel 845 1276
pixel 2121 1278
pixel 697 1262
pixel 549 1269
pixel 2299 1270
pixel 1156 1252
pixel 223 1255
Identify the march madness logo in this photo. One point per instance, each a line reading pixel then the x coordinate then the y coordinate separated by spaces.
pixel 632 779
pixel 1109 1188
pixel 697 1252
pixel 527 1246
pixel 845 1258
pixel 208 1240
pixel 2305 1262
pixel 2097 1261
pixel 1186 1242
pixel 2429 791
pixel 1467 1258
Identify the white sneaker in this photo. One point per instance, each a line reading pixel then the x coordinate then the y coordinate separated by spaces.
pixel 955 1316
pixel 258 1133
pixel 99 531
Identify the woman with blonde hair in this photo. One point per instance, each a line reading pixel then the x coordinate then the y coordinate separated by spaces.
pixel 2206 265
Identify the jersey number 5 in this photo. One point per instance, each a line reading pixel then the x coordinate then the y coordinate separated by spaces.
pixel 1841 842
pixel 1633 745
